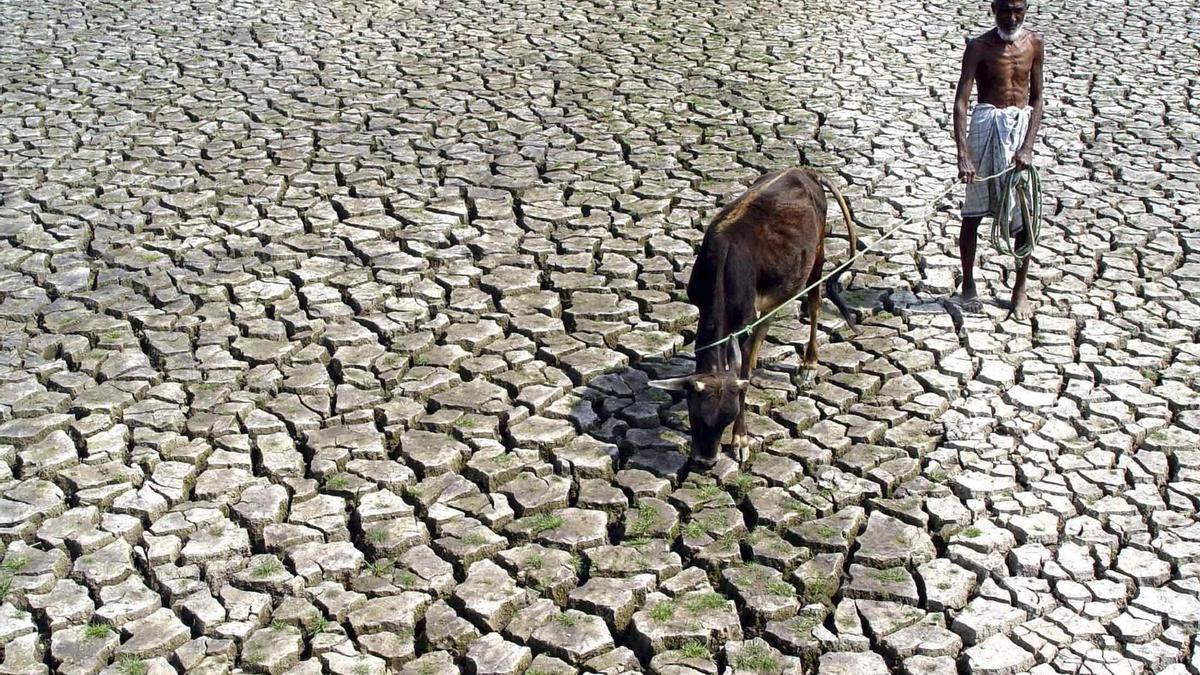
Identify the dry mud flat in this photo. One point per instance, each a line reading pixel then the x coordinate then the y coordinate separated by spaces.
pixel 326 327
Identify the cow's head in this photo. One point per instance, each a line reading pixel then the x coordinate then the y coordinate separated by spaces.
pixel 714 401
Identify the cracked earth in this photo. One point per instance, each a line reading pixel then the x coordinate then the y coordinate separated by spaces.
pixel 326 330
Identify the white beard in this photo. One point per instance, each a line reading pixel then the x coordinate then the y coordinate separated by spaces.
pixel 1011 37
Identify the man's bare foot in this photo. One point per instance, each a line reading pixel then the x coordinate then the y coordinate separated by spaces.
pixel 1020 309
pixel 970 299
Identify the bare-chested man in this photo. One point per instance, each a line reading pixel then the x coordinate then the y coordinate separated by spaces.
pixel 1005 64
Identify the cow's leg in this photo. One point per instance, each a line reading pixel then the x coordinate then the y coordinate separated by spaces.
pixel 741 439
pixel 809 369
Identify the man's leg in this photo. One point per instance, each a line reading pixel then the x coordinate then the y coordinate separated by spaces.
pixel 1021 309
pixel 967 239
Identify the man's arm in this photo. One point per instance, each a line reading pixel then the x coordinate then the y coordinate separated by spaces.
pixel 1024 155
pixel 962 97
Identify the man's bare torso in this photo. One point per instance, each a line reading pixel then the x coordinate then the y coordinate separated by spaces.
pixel 1003 68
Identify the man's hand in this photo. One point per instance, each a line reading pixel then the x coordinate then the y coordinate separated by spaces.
pixel 1023 159
pixel 966 170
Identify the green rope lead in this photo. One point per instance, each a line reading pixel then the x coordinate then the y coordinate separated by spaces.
pixel 1025 187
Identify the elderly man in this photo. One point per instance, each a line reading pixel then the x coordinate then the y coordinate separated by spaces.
pixel 1005 65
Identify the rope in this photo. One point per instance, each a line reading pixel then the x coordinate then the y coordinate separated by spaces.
pixel 745 330
pixel 1025 187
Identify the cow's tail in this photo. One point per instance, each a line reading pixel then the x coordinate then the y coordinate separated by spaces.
pixel 833 287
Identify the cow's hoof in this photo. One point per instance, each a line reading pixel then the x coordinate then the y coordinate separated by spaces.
pixel 806 377
pixel 741 448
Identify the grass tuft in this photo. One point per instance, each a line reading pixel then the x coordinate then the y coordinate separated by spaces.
pixel 694 650
pixel 663 611
pixel 267 569
pixel 541 522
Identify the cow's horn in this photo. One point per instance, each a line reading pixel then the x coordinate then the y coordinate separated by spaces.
pixel 735 357
pixel 671 383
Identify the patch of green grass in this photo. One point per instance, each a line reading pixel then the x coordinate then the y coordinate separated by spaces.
pixel 465 422
pixel 710 491
pixel 535 563
pixel 541 522
pixel 503 459
pixel 816 590
pixel 717 520
pixel 420 359
pixel 884 316
pixel 377 535
pixel 406 579
pixel 280 626
pixel 317 626
pixel 800 508
pixel 130 665
pixel 894 574
pixel 826 532
pixel 267 569
pixel 805 623
pixel 474 539
pixel 694 530
pixel 1152 375
pixel 16 563
pixel 694 650
pixel 728 540
pixel 741 484
pixel 576 562
pixel 96 630
pixel 754 657
pixel 338 482
pixel 706 601
pixel 567 620
pixel 645 519
pixel 663 611
pixel 972 532
pixel 781 587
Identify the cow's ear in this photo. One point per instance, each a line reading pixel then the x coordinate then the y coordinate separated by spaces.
pixel 672 383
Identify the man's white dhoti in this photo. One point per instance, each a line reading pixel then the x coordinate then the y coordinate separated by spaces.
pixel 995 136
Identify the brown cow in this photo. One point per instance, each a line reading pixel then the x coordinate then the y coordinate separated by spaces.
pixel 760 250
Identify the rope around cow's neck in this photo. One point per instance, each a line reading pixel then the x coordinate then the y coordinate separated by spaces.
pixel 1006 198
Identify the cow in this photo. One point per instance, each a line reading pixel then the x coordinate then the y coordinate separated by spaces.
pixel 760 250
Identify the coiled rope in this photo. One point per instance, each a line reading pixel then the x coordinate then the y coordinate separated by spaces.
pixel 1025 187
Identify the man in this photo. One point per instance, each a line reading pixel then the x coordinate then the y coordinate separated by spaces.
pixel 1005 65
